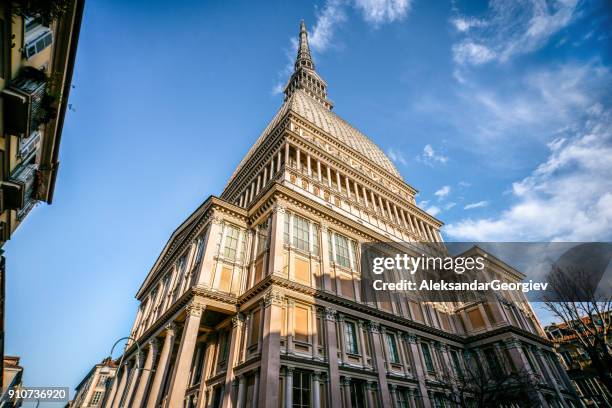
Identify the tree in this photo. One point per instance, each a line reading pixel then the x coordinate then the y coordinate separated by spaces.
pixel 479 387
pixel 586 313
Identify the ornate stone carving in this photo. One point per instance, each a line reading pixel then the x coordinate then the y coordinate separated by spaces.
pixel 374 327
pixel 171 329
pixel 411 338
pixel 237 320
pixel 273 297
pixel 194 309
pixel 330 313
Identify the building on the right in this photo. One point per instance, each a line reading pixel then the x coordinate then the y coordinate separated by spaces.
pixel 578 365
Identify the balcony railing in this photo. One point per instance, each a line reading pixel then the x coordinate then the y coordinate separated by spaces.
pixel 24 103
pixel 20 190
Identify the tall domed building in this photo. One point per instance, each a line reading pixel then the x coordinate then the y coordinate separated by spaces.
pixel 257 298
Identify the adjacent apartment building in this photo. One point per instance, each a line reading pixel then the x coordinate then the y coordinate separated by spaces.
pixel 38 41
pixel 92 389
pixel 257 300
pixel 578 364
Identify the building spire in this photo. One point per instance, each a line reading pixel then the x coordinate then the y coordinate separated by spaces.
pixel 304 59
pixel 304 76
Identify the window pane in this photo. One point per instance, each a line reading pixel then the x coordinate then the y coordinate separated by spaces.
pixel 351 338
pixel 231 243
pixel 300 233
pixel 342 251
pixel 427 356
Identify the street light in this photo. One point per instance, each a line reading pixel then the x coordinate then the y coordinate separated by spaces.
pixel 106 368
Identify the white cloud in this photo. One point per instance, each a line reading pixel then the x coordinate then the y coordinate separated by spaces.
pixel 328 18
pixel 433 210
pixel 374 12
pixel 443 192
pixel 450 205
pixel 383 11
pixel 429 156
pixel 479 204
pixel 568 197
pixel 463 24
pixel 397 156
pixel 468 52
pixel 510 28
pixel 464 184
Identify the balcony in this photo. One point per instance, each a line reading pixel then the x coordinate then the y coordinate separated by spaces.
pixel 20 190
pixel 24 103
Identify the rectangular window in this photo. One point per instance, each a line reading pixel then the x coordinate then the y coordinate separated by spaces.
pixel 315 239
pixel 350 335
pixel 342 251
pixel 427 356
pixel 392 345
pixel 301 389
pixel 96 399
pixel 492 360
pixel 301 239
pixel 456 363
pixel 286 229
pixel 199 249
pixel 231 243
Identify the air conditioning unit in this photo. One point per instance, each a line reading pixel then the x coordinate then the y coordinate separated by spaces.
pixel 33 47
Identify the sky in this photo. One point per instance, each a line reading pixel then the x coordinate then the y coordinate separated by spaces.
pixel 498 112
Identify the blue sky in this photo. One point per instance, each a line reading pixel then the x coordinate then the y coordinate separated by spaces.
pixel 497 112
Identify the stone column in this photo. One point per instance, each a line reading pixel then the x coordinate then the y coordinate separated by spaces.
pixel 162 367
pixel 348 187
pixel 380 364
pixel 298 159
pixel 185 355
pixel 270 356
pixel 290 329
pixel 308 165
pixel 288 387
pixel 420 371
pixel 241 392
pixel 338 181
pixel 332 347
pixel 342 344
pixel 237 322
pixel 329 180
pixel 370 390
pixel 319 175
pixel 138 361
pixel 146 374
pixel 286 154
pixel 255 390
pixel 316 390
pixel 365 196
pixel 393 390
pixel 121 389
pixel 114 391
pixel 362 326
pixel 326 281
pixel 346 390
pixel 278 160
pixel 275 261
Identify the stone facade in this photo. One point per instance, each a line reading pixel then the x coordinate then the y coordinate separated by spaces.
pixel 91 391
pixel 256 299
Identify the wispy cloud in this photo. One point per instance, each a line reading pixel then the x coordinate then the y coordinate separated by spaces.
pixel 397 156
pixel 374 12
pixel 383 11
pixel 430 157
pixel 568 197
pixel 510 28
pixel 433 210
pixel 331 15
pixel 479 204
pixel 443 192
